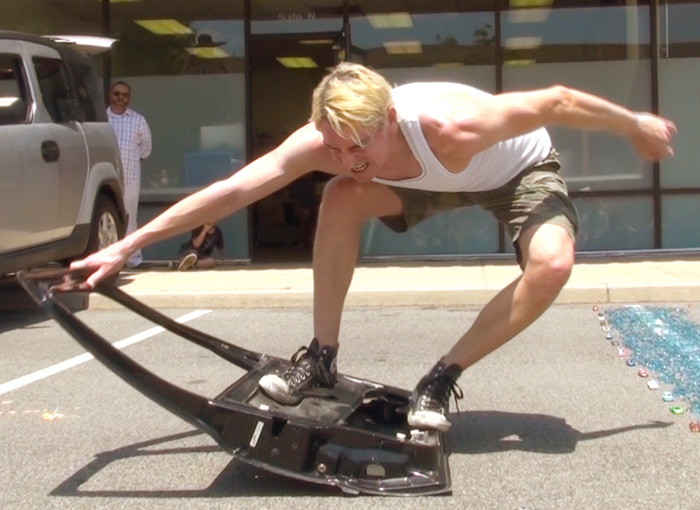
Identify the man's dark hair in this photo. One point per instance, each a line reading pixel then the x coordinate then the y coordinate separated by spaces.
pixel 121 83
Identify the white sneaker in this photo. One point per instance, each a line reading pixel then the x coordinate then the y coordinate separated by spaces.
pixel 187 262
pixel 430 401
pixel 312 367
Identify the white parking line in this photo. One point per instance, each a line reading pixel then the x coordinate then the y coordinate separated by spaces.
pixel 65 365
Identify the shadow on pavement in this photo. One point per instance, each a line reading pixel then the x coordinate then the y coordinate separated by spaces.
pixel 471 433
pixel 494 431
pixel 25 319
pixel 16 304
pixel 237 479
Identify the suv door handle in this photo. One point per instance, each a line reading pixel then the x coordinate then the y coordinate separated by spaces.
pixel 50 151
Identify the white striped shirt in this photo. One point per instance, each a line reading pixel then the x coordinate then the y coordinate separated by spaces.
pixel 134 138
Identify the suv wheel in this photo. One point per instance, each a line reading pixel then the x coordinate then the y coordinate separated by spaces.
pixel 106 225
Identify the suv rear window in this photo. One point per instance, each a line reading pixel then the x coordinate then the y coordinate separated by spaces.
pixel 13 91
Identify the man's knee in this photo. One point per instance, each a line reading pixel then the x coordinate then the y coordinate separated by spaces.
pixel 340 200
pixel 345 196
pixel 557 268
pixel 339 190
pixel 549 258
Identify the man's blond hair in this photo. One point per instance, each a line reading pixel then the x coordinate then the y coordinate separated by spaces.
pixel 351 97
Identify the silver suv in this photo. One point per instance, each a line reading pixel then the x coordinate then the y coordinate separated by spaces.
pixel 61 182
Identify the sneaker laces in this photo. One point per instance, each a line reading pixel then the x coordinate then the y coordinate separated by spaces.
pixel 301 365
pixel 444 387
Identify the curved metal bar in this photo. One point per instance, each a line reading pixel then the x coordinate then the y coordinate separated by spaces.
pixel 356 439
pixel 191 407
pixel 66 281
pixel 240 357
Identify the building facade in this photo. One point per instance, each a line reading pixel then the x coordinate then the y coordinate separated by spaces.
pixel 222 81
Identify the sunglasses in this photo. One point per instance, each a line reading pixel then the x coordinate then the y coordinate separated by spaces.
pixel 120 94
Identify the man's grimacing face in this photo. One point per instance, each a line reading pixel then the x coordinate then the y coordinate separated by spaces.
pixel 360 160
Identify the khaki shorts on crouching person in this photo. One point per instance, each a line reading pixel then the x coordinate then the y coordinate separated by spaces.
pixel 536 196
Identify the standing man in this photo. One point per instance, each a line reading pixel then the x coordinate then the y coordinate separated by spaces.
pixel 134 138
pixel 401 155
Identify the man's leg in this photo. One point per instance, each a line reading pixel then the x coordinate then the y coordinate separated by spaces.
pixel 548 256
pixel 205 263
pixel 132 190
pixel 344 208
pixel 346 205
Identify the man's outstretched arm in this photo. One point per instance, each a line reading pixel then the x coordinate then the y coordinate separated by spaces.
pixel 295 157
pixel 511 114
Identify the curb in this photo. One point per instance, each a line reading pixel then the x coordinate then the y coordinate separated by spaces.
pixel 285 298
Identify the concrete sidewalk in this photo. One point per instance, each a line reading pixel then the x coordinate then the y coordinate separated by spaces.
pixel 613 280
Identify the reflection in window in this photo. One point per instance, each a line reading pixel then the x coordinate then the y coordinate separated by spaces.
pixel 433 40
pixel 55 17
pixel 185 62
pixel 678 29
pixel 429 45
pixel 598 48
pixel 680 225
pixel 273 16
pixel 615 224
pixel 597 31
pixel 679 75
pixel 464 231
pixel 186 69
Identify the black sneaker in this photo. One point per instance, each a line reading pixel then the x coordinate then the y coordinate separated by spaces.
pixel 312 367
pixel 430 401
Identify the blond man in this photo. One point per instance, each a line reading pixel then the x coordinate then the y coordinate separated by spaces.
pixel 403 154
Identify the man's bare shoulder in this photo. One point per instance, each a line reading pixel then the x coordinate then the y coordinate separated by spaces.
pixel 305 148
pixel 451 121
pixel 305 138
pixel 450 118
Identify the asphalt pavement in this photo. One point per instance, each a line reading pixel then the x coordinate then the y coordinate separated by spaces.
pixel 553 420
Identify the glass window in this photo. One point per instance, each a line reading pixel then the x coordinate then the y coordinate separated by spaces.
pixel 14 100
pixel 460 232
pixel 186 72
pixel 678 28
pixel 598 48
pixel 55 90
pixel 90 107
pixel 273 16
pixel 678 98
pixel 429 42
pixel 185 63
pixel 680 227
pixel 621 223
pixel 55 17
pixel 678 101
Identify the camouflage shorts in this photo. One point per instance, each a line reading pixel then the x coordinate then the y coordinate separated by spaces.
pixel 536 196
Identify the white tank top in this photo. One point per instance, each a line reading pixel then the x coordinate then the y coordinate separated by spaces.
pixel 487 170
